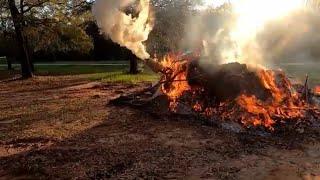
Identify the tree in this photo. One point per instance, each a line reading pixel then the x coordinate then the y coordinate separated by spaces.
pixel 47 25
pixel 6 38
pixel 61 28
pixel 171 17
pixel 23 57
pixel 133 64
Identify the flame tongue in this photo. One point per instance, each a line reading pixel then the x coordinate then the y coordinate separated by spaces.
pixel 175 78
pixel 316 90
pixel 283 103
pixel 257 113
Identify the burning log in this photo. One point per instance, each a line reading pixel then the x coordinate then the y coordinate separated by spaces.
pixel 154 65
pixel 224 82
pixel 227 81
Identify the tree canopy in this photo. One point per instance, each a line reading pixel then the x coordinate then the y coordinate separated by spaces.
pixel 51 25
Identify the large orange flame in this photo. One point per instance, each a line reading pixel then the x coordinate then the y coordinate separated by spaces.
pixel 175 78
pixel 246 109
pixel 284 103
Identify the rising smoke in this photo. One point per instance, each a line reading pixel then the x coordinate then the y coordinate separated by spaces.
pixel 209 31
pixel 126 30
pixel 293 37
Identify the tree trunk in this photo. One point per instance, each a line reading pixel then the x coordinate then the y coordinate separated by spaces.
pixel 133 65
pixel 30 53
pixel 26 69
pixel 9 62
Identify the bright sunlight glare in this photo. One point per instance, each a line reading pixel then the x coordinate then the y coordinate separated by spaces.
pixel 254 14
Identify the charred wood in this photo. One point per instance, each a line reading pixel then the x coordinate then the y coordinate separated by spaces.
pixel 227 81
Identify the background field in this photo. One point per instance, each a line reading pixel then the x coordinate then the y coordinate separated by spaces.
pixel 116 71
pixel 299 71
pixel 105 71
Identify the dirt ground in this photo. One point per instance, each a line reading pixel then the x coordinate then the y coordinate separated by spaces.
pixel 63 128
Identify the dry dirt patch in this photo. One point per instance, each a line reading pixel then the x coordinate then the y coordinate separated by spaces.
pixel 62 127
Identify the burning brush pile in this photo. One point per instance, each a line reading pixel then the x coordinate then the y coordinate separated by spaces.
pixel 231 95
pixel 234 95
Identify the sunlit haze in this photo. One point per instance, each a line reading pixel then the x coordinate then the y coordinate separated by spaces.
pixel 214 3
pixel 252 15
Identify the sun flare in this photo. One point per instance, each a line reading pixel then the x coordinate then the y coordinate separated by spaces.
pixel 252 15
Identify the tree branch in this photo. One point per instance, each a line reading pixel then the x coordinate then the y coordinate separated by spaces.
pixel 29 7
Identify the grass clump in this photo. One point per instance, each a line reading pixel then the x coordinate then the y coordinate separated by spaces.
pixel 123 77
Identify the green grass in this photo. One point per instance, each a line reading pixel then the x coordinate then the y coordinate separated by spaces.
pixel 299 72
pixel 104 73
pixel 118 72
pixel 123 77
pixel 77 69
pixel 3 60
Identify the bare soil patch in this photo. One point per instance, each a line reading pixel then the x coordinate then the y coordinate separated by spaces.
pixel 62 127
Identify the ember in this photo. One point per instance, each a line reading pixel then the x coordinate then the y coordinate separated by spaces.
pixel 317 90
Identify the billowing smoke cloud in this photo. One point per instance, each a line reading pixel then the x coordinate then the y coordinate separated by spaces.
pixel 294 38
pixel 209 31
pixel 124 29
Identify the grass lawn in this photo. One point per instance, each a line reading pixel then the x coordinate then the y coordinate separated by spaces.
pixel 118 72
pixel 299 72
pixel 124 77
pixel 3 60
pixel 104 73
pixel 77 69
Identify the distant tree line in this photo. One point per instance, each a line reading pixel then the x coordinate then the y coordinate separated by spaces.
pixel 53 30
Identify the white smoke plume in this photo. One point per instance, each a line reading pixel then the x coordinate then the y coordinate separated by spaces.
pixel 296 40
pixel 266 39
pixel 126 30
pixel 210 31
